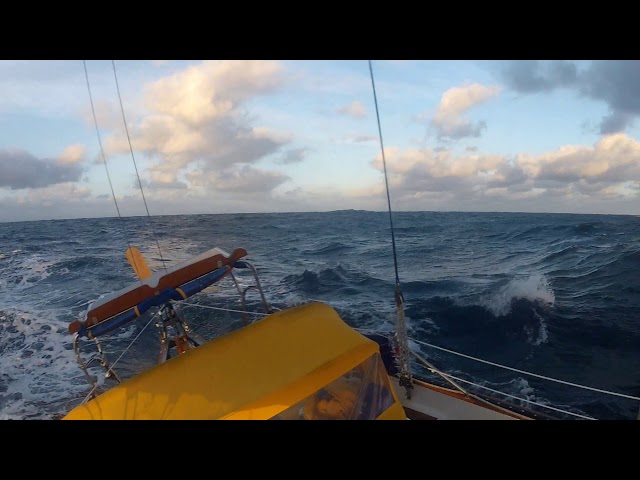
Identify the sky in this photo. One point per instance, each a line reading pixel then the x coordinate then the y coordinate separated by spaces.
pixel 225 136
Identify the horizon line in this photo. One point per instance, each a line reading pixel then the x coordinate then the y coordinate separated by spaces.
pixel 317 211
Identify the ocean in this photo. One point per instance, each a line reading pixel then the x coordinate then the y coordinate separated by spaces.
pixel 553 294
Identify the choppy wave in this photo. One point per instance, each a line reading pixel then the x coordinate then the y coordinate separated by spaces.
pixel 39 372
pixel 553 294
pixel 535 288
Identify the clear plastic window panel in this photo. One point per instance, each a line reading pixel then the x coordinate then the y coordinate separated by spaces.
pixel 361 394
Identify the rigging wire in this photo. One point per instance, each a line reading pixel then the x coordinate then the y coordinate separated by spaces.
pixel 519 398
pixel 224 309
pixel 401 330
pixel 153 317
pixel 104 158
pixel 110 368
pixel 126 128
pixel 386 182
pixel 524 372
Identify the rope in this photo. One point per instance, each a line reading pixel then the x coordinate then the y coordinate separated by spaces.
pixel 104 158
pixel 403 345
pixel 136 166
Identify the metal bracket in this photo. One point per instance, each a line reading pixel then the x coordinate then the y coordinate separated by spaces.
pixel 100 358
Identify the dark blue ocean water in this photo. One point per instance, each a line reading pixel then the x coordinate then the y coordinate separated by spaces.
pixel 555 294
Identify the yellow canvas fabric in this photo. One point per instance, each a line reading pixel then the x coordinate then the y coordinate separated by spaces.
pixel 252 373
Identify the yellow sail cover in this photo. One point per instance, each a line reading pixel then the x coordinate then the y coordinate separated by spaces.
pixel 253 373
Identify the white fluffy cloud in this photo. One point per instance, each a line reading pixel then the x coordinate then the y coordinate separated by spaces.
pixel 212 89
pixel 72 154
pixel 448 119
pixel 614 158
pixel 608 170
pixel 437 164
pixel 196 124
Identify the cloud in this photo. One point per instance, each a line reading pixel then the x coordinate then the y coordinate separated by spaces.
pixel 610 169
pixel 64 200
pixel 614 82
pixel 52 194
pixel 448 119
pixel 437 164
pixel 195 122
pixel 72 154
pixel 295 155
pixel 529 76
pixel 245 179
pixel 19 169
pixel 162 185
pixel 211 89
pixel 108 115
pixel 354 109
pixel 600 178
pixel 613 159
pixel 615 122
pixel 360 139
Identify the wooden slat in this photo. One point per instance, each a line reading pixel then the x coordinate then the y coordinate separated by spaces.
pixel 138 263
